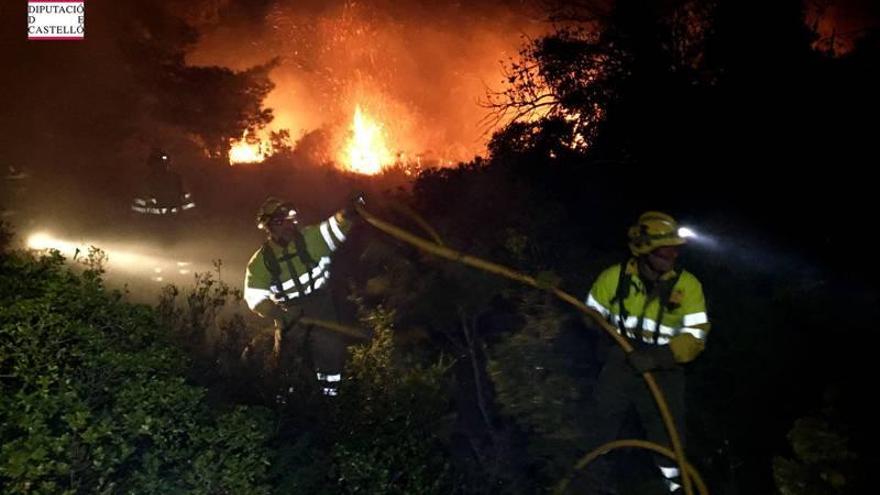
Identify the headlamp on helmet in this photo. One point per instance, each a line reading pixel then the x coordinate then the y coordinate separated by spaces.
pixel 654 229
pixel 274 211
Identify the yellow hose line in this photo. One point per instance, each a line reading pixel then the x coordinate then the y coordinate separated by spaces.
pixel 336 327
pixel 504 271
pixel 420 220
pixel 642 444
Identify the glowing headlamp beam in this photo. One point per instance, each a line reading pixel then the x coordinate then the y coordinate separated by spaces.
pixel 685 233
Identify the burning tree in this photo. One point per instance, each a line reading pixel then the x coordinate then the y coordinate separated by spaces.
pixel 215 105
pixel 568 77
pixel 601 67
pixel 218 105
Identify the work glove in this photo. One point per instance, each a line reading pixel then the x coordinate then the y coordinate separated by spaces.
pixel 547 280
pixel 685 347
pixel 653 358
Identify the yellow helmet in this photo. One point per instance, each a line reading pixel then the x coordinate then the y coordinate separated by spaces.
pixel 653 229
pixel 274 207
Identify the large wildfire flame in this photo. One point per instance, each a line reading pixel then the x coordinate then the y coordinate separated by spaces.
pixel 366 151
pixel 339 55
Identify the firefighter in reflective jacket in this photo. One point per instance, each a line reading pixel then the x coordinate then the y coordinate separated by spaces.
pixel 661 310
pixel 285 277
pixel 162 193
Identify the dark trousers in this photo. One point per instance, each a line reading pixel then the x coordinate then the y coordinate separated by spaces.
pixel 620 389
pixel 326 349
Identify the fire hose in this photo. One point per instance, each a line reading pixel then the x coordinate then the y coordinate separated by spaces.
pixel 444 252
pixel 356 332
pixel 617 444
pixel 334 326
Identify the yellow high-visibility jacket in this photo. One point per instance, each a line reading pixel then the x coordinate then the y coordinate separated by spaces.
pixel 297 273
pixel 683 320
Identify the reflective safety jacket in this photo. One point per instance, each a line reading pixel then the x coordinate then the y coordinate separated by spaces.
pixel 280 274
pixel 675 306
pixel 163 194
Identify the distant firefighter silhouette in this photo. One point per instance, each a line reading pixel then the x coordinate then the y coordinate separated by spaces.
pixel 162 193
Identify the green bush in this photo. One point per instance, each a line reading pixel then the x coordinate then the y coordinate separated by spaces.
pixel 390 445
pixel 93 399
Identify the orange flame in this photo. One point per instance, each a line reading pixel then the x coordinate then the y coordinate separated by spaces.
pixel 243 151
pixel 366 151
